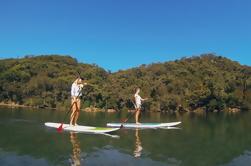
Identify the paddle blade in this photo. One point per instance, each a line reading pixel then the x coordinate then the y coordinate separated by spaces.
pixel 60 128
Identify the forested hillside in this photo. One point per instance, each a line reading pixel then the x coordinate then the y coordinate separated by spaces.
pixel 206 82
pixel 44 80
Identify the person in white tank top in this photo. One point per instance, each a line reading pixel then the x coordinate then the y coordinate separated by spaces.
pixel 76 93
pixel 138 102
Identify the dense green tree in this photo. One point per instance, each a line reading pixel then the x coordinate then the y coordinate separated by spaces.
pixel 208 82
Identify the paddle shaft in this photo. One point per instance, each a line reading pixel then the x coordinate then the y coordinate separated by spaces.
pixel 69 109
pixel 73 104
pixel 130 115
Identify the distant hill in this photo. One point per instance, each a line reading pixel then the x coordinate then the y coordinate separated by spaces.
pixel 207 82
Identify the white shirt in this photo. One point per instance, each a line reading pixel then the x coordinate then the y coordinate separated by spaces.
pixel 138 99
pixel 76 90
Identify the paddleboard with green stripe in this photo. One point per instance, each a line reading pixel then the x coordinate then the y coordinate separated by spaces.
pixel 79 128
pixel 143 125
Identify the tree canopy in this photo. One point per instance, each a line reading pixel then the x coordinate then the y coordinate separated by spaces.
pixel 207 81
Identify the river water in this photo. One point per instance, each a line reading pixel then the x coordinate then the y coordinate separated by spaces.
pixel 201 140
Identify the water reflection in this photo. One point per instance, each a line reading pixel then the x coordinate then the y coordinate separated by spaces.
pixel 138 148
pixel 76 151
pixel 224 135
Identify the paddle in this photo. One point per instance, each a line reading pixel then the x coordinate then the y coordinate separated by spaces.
pixel 130 115
pixel 60 128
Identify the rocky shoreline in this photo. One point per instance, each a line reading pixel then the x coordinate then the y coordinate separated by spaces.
pixel 94 109
pixel 87 109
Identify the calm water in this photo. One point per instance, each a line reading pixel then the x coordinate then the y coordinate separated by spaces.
pixel 212 140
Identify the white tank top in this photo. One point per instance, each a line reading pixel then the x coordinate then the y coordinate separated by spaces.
pixel 75 90
pixel 138 99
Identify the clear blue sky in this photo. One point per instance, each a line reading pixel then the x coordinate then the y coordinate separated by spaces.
pixel 119 34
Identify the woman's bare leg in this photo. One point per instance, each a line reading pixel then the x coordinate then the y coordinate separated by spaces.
pixel 77 111
pixel 137 115
pixel 73 113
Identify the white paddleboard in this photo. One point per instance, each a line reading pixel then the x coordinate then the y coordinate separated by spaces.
pixel 143 125
pixel 78 128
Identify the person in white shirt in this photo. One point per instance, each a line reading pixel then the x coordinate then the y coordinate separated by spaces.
pixel 138 102
pixel 76 93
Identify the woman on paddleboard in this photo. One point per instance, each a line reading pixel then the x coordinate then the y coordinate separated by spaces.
pixel 138 102
pixel 76 93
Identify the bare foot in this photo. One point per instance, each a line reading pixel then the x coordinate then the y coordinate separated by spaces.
pixel 137 123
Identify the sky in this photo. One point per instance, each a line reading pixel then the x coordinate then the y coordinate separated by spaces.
pixel 120 34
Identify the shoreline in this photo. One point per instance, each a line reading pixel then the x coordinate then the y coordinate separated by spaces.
pixel 93 109
pixel 88 109
pixel 16 105
pixel 13 105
